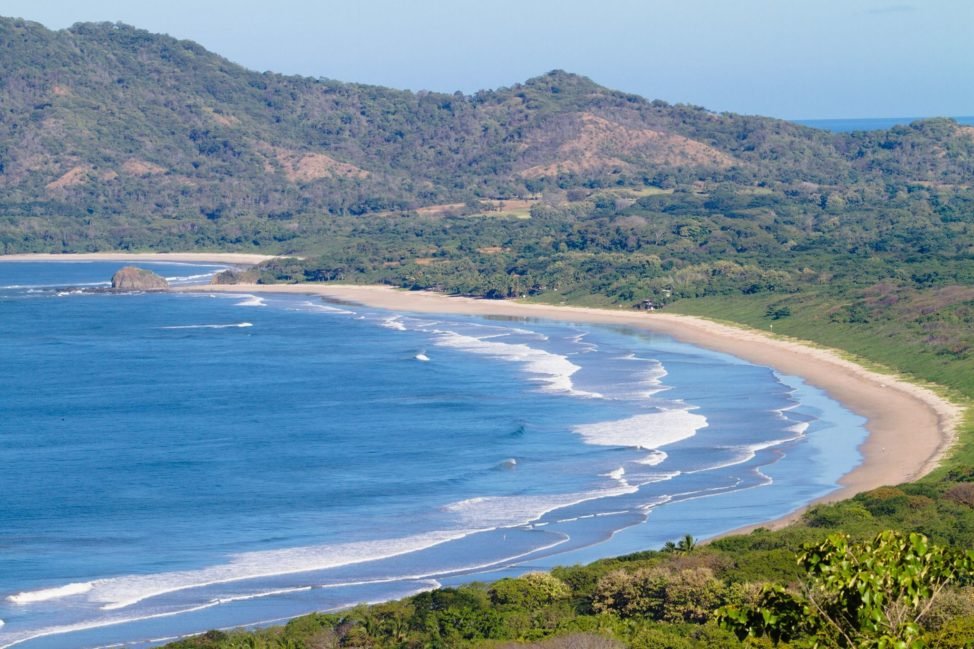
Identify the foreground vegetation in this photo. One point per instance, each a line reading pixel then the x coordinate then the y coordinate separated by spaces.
pixel 670 599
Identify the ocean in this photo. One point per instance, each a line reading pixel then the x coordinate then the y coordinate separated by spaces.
pixel 171 463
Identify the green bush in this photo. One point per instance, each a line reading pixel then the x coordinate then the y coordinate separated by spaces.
pixel 689 595
pixel 533 590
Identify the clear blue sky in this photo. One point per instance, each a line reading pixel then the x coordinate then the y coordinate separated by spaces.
pixel 786 58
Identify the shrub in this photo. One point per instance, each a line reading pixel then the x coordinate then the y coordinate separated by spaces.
pixel 958 633
pixel 962 494
pixel 885 501
pixel 530 591
pixel 952 603
pixel 687 595
pixel 836 515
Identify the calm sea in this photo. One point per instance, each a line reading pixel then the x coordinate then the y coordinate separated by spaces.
pixel 171 463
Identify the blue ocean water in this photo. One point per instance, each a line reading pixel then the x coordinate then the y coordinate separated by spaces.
pixel 171 463
pixel 868 123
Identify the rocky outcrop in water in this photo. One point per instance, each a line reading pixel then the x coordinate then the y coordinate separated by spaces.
pixel 132 278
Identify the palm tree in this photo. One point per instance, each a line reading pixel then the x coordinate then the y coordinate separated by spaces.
pixel 687 544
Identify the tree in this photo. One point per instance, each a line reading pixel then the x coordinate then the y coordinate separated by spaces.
pixel 687 544
pixel 869 595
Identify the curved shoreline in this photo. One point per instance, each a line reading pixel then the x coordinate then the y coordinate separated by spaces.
pixel 910 427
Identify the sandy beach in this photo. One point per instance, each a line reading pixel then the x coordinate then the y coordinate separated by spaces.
pixel 910 427
pixel 235 258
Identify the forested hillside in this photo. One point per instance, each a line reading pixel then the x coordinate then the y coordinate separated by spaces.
pixel 121 138
pixel 557 189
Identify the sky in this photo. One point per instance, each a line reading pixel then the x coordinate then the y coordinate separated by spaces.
pixel 794 59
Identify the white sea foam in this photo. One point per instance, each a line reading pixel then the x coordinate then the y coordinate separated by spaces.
pixel 189 278
pixel 581 342
pixel 513 511
pixel 649 431
pixel 799 428
pixel 393 322
pixel 646 478
pixel 235 325
pixel 747 452
pixel 121 592
pixel 46 594
pixel 97 624
pixel 422 357
pixel 252 300
pixel 654 458
pixel 427 581
pixel 327 308
pixel 73 284
pixel 650 379
pixel 553 370
pixel 505 331
pixel 269 593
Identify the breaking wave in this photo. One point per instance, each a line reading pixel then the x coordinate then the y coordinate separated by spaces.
pixel 235 325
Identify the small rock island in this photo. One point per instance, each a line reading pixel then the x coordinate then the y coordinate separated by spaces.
pixel 132 278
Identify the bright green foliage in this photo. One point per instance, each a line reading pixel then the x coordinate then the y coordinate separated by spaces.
pixel 532 590
pixel 689 595
pixel 867 595
pixel 958 633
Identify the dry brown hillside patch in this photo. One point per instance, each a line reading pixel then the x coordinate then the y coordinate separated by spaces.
pixel 136 167
pixel 221 118
pixel 307 167
pixel 590 142
pixel 74 176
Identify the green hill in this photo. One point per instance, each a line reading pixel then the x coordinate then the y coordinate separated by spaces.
pixel 104 120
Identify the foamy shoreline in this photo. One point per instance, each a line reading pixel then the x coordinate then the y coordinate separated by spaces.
pixel 910 426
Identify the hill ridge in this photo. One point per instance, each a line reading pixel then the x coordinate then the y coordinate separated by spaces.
pixel 106 119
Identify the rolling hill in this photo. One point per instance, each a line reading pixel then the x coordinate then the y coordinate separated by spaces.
pixel 102 120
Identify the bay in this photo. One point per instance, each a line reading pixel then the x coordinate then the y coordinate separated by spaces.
pixel 171 463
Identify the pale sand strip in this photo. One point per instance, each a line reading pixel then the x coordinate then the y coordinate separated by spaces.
pixel 910 427
pixel 235 258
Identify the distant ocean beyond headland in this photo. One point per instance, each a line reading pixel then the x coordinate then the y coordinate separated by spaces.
pixel 868 123
pixel 178 462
